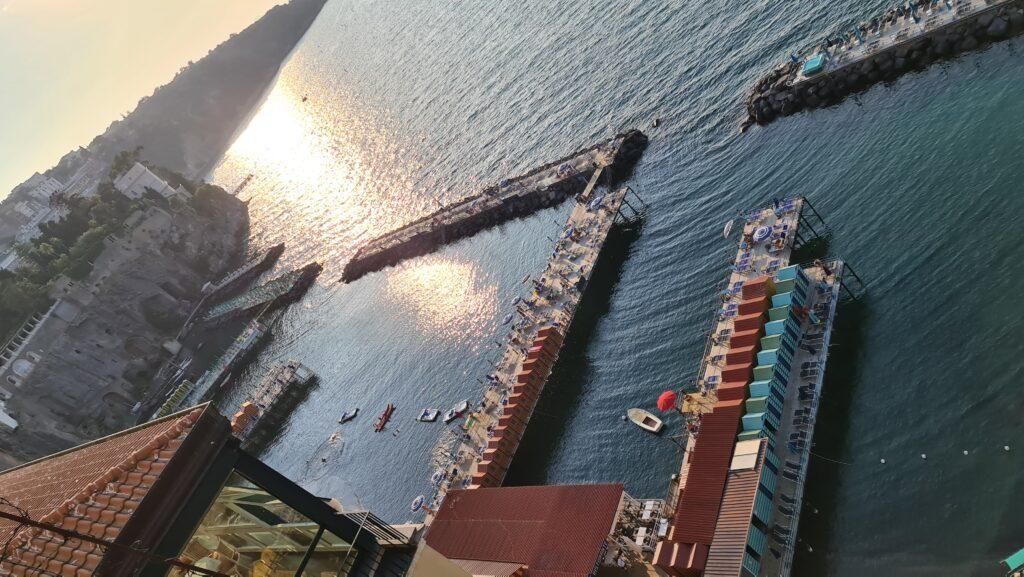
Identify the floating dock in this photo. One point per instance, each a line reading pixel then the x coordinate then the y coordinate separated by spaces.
pixel 284 289
pixel 266 409
pixel 908 37
pixel 540 188
pixel 494 429
pixel 750 415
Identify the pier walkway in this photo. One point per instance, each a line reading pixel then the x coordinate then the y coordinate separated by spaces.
pixel 513 198
pixel 907 37
pixel 902 31
pixel 288 286
pixel 550 310
pixel 800 411
pixel 750 413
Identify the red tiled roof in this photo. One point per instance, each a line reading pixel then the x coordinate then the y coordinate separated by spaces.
pixel 92 489
pixel 749 322
pixel 556 531
pixel 754 306
pixel 739 355
pixel 758 287
pixel 701 496
pixel 732 390
pixel 741 372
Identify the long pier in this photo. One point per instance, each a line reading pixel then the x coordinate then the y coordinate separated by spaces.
pixel 496 425
pixel 540 188
pixel 283 289
pixel 750 414
pixel 907 37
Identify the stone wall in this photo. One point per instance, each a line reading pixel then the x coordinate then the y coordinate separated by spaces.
pixel 633 145
pixel 775 95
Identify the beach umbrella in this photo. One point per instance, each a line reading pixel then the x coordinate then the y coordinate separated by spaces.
pixel 667 401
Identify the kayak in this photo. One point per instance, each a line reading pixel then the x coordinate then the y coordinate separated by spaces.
pixel 384 418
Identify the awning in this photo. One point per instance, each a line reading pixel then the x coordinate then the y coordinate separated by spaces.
pixel 1015 561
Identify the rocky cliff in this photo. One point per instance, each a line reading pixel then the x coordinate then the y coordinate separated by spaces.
pixel 93 355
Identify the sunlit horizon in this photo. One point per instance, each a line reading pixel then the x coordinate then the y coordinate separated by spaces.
pixel 98 60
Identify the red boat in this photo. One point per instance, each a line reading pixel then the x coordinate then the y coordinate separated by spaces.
pixel 384 418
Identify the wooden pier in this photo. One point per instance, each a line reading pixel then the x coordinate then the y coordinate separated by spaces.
pixel 750 413
pixel 902 40
pixel 540 188
pixel 493 430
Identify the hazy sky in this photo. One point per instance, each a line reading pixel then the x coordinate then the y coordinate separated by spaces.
pixel 70 67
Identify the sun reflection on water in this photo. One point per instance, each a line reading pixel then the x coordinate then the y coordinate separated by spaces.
pixel 444 297
pixel 325 166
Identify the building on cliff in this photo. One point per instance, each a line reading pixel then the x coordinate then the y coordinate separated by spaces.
pixel 138 179
pixel 74 372
pixel 178 496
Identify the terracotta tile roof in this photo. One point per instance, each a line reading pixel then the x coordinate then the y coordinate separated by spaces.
pixel 92 489
pixel 556 531
pixel 701 496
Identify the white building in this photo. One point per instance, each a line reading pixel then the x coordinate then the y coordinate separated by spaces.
pixel 85 180
pixel 46 188
pixel 9 260
pixel 138 179
pixel 39 187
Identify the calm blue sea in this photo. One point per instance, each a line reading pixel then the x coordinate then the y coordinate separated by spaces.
pixel 386 109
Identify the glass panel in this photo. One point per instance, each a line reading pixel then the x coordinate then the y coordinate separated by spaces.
pixel 250 533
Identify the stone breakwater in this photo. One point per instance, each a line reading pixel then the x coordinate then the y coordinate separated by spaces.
pixel 540 188
pixel 785 91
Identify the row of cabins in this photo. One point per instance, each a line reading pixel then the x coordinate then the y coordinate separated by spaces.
pixel 724 509
pixel 504 440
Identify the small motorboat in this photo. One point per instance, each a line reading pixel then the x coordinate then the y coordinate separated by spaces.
pixel 728 228
pixel 428 416
pixel 417 503
pixel 348 416
pixel 456 411
pixel 384 418
pixel 645 420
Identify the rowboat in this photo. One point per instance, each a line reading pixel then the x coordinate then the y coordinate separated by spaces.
pixel 645 420
pixel 428 415
pixel 384 418
pixel 348 416
pixel 456 411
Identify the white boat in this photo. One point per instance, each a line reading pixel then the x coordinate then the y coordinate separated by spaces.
pixel 456 411
pixel 417 503
pixel 645 420
pixel 728 228
pixel 428 415
pixel 348 416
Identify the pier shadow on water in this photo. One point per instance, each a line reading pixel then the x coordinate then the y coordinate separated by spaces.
pixel 814 248
pixel 824 476
pixel 561 397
